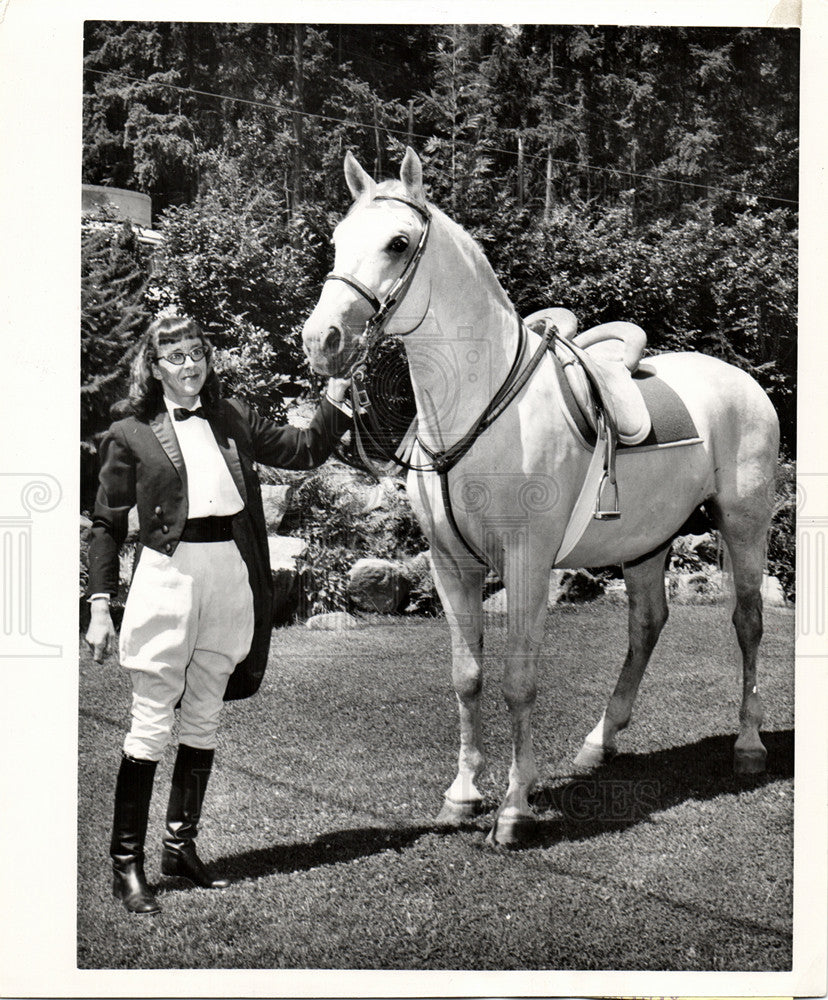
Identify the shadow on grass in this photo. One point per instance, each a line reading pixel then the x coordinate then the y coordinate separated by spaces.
pixel 632 787
pixel 327 849
pixel 626 792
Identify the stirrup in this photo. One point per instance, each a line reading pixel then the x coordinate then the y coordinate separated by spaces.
pixel 602 514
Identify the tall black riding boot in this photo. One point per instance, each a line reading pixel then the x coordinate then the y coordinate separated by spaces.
pixel 133 791
pixel 189 783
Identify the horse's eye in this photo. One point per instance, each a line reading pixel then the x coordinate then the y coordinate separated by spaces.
pixel 398 245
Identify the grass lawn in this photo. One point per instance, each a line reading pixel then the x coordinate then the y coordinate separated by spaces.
pixel 326 782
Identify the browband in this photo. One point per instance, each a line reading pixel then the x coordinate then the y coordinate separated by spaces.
pixel 411 204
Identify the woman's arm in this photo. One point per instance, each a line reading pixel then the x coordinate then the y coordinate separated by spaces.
pixel 110 520
pixel 287 447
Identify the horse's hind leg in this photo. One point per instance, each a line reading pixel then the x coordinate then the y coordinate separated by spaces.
pixel 744 529
pixel 460 592
pixel 647 614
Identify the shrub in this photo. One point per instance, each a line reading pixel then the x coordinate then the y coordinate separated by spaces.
pixel 330 510
pixel 422 598
pixel 695 553
pixel 235 264
pixel 724 289
pixel 323 576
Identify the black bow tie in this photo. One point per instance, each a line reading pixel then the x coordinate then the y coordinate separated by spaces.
pixel 181 414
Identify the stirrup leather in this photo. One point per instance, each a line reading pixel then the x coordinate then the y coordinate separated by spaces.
pixel 612 513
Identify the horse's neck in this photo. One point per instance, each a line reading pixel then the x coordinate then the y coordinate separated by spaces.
pixel 463 352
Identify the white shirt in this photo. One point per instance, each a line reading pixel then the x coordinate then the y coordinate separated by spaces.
pixel 211 491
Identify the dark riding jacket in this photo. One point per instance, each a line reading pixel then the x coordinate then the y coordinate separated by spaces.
pixel 141 464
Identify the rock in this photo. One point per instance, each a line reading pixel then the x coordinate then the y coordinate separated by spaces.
pixel 556 587
pixel 332 621
pixel 420 563
pixel 417 570
pixel 126 564
pixel 565 587
pixel 285 550
pixel 378 585
pixel 773 596
pixel 496 604
pixel 615 591
pixel 275 502
pixel 422 597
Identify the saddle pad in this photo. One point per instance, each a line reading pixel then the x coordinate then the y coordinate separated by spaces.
pixel 671 420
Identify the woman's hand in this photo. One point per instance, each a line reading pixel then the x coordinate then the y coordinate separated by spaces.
pixel 338 388
pixel 101 632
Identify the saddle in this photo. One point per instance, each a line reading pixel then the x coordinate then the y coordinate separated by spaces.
pixel 598 365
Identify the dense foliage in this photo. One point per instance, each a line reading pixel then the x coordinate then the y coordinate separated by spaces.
pixel 647 174
pixel 331 514
pixel 640 173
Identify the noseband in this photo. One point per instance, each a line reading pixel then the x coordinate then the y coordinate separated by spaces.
pixel 383 310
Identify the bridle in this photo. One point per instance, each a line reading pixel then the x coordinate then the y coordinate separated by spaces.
pixel 383 310
pixel 440 462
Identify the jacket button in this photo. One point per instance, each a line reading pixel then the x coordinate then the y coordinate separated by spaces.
pixel 168 547
pixel 165 528
pixel 158 511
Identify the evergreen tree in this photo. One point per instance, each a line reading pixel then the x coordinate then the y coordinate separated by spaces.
pixel 113 315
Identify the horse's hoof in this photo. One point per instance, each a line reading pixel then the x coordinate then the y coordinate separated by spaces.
pixel 749 761
pixel 457 813
pixel 512 829
pixel 592 756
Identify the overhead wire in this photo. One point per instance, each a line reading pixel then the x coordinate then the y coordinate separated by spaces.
pixel 269 105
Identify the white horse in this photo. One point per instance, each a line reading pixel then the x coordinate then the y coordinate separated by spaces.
pixel 508 497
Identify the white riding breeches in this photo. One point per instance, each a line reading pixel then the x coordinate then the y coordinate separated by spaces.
pixel 188 621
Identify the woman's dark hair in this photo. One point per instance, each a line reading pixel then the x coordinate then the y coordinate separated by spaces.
pixel 145 392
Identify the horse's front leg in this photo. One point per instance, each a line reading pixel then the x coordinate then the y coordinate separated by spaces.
pixel 527 588
pixel 460 589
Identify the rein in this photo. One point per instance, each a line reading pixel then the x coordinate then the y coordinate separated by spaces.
pixel 442 462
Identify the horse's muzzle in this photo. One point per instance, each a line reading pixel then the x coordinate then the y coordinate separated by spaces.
pixel 329 350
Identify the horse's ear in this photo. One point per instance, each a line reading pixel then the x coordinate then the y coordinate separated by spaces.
pixel 411 174
pixel 357 179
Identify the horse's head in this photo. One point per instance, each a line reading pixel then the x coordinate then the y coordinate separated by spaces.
pixel 378 247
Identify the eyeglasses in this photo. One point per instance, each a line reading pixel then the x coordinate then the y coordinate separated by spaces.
pixel 179 357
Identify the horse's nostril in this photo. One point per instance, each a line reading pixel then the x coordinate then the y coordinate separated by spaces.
pixel 332 344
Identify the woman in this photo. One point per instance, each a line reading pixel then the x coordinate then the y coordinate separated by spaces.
pixel 197 622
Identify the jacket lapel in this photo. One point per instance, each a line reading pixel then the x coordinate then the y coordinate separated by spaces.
pixel 228 449
pixel 162 427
